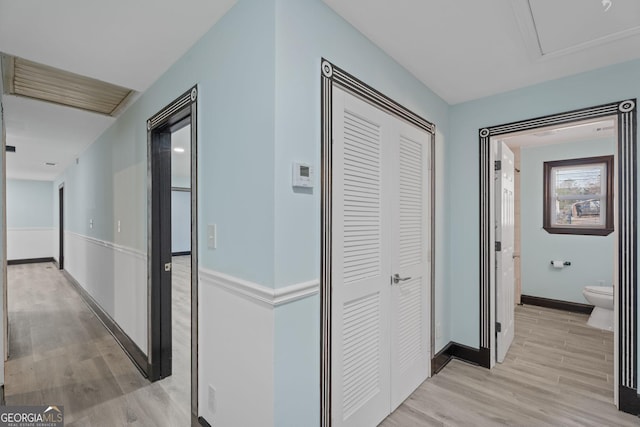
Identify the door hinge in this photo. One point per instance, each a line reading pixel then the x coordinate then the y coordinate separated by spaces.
pixel 497 165
pixel 498 246
pixel 498 327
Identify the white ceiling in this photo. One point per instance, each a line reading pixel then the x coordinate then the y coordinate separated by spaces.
pixel 583 131
pixel 554 35
pixel 44 132
pixel 468 49
pixel 461 49
pixel 124 42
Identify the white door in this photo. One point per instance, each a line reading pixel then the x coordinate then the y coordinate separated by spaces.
pixel 361 273
pixel 410 260
pixel 505 227
pixel 380 351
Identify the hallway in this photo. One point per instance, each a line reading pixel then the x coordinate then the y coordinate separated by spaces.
pixel 61 354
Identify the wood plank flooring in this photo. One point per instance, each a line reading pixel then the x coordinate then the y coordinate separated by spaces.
pixel 61 354
pixel 558 372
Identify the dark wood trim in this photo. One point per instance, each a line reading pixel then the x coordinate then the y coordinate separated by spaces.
pixel 130 348
pixel 61 227
pixel 161 331
pixel 574 307
pixel 3 402
pixel 326 189
pixel 454 350
pixel 626 198
pixel 484 357
pixel 29 261
pixel 442 358
pixel 177 114
pixel 203 422
pixel 546 210
pixel 181 253
pixel 334 76
pixel 628 400
pixel 194 261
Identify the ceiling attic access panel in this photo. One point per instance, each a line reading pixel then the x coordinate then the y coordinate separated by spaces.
pixel 543 24
pixel 38 81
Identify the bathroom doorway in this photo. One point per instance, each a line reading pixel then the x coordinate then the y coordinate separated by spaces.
pixel 531 151
pixel 564 226
pixel 623 241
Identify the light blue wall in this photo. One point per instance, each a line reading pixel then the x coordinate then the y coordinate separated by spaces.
pixel 29 204
pixel 601 86
pixel 306 31
pixel 234 69
pixel 591 257
pixel 180 221
pixel 108 184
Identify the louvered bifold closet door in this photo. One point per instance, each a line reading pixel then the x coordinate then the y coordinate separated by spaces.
pixel 361 271
pixel 410 259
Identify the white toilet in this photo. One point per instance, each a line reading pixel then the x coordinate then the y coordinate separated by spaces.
pixel 601 297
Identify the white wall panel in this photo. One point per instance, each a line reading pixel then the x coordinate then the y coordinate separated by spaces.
pixel 28 243
pixel 116 277
pixel 236 354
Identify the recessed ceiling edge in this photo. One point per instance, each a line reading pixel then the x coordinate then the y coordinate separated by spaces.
pixel 32 80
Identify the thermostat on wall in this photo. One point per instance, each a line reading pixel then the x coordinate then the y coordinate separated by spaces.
pixel 302 175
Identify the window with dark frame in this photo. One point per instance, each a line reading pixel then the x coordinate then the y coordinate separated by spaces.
pixel 578 196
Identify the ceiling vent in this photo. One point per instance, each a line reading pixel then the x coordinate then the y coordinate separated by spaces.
pixel 38 81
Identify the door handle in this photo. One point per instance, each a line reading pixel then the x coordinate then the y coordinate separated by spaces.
pixel 397 279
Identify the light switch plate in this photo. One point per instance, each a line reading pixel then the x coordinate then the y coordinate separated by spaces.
pixel 212 236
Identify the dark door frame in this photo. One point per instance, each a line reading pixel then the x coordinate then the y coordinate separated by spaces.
pixel 61 226
pixel 627 269
pixel 160 254
pixel 331 76
pixel 179 113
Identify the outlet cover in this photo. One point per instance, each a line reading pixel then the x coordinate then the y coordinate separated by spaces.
pixel 212 399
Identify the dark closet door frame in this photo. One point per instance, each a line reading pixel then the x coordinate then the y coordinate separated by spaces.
pixel 179 113
pixel 61 226
pixel 331 76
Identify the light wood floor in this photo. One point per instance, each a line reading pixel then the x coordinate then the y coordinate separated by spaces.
pixel 61 354
pixel 558 372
